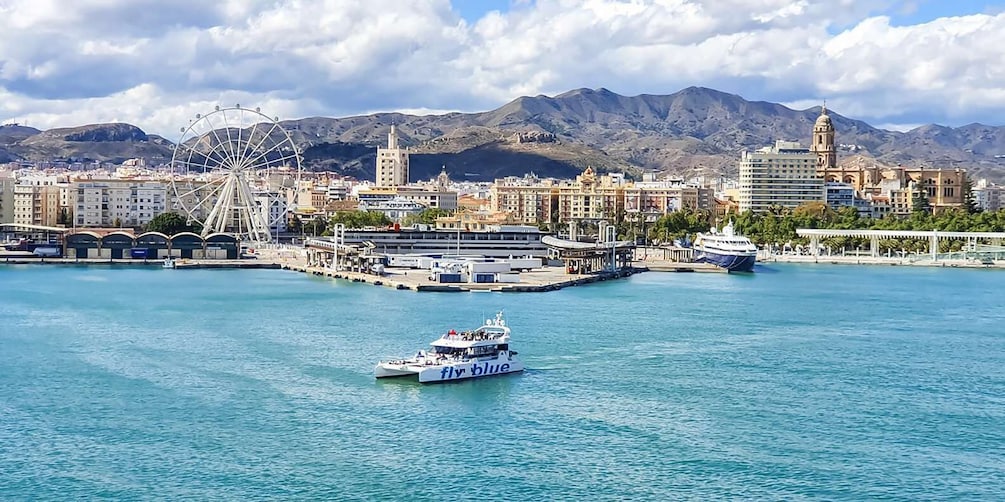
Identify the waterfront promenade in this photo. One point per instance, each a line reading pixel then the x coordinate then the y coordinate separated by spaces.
pixel 910 261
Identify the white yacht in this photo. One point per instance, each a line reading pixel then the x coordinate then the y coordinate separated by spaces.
pixel 726 249
pixel 168 263
pixel 457 356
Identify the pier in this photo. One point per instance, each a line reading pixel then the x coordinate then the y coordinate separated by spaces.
pixel 538 280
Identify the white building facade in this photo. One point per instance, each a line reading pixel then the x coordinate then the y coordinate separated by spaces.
pixel 274 210
pixel 782 175
pixel 396 209
pixel 118 203
pixel 987 196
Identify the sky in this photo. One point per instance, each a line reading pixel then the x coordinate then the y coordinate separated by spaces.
pixel 155 64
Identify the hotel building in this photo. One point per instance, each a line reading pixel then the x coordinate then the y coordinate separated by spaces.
pixel 781 175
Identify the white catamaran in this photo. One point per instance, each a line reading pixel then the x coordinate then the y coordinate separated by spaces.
pixel 456 356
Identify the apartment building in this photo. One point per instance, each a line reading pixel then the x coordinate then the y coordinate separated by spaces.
pixel 6 196
pixel 35 200
pixel 593 197
pixel 988 196
pixel 118 203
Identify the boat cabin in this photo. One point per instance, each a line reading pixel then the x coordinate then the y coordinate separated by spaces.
pixel 466 351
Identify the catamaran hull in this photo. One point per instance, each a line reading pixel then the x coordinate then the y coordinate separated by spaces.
pixel 730 262
pixel 386 371
pixel 463 371
pixel 450 372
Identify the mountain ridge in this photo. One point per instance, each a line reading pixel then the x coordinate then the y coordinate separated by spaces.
pixel 697 130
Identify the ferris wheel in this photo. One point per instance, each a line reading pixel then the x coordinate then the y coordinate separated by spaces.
pixel 236 170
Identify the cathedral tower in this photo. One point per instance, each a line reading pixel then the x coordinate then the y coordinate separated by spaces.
pixel 823 141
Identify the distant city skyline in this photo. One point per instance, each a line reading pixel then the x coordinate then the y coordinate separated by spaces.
pixel 895 64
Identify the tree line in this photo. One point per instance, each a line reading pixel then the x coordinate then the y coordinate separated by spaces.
pixel 363 219
pixel 777 227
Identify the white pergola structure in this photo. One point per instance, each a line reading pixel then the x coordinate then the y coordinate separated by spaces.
pixel 874 236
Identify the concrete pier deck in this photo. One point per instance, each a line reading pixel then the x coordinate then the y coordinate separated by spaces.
pixel 539 280
pixel 676 266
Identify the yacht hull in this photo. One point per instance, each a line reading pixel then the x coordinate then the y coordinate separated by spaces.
pixel 730 262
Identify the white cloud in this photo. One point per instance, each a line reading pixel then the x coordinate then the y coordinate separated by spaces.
pixel 155 64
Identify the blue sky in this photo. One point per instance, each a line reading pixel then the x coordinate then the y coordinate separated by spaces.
pixel 922 11
pixel 473 10
pixel 894 63
pixel 901 12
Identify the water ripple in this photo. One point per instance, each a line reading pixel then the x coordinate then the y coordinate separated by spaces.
pixel 809 383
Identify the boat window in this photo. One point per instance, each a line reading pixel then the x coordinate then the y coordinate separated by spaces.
pixel 484 350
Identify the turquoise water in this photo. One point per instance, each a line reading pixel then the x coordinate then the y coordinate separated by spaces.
pixel 799 382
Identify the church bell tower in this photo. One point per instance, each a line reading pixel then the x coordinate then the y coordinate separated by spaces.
pixel 823 141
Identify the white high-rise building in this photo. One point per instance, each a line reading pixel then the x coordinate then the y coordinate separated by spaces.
pixel 781 175
pixel 392 162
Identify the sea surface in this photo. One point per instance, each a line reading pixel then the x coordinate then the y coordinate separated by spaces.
pixel 800 382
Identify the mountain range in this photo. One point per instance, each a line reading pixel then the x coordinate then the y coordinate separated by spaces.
pixel 696 131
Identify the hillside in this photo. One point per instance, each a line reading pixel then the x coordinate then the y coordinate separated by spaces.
pixel 696 130
pixel 101 142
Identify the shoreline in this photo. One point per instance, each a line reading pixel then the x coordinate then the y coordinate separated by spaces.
pixel 538 280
